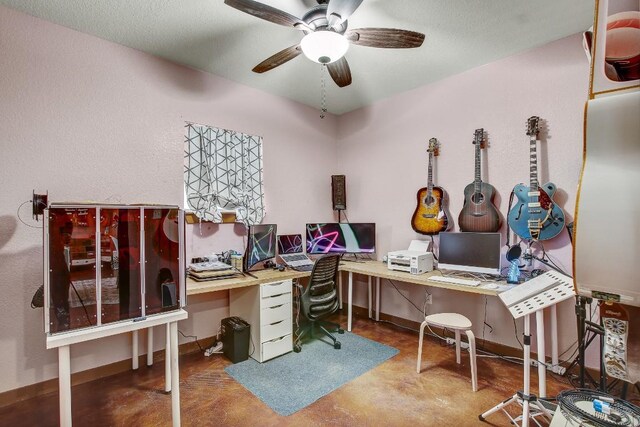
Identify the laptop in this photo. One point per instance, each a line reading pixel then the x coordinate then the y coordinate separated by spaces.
pixel 290 251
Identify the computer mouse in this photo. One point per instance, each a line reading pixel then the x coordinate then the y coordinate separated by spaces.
pixel 491 286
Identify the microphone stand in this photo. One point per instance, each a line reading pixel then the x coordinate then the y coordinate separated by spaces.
pixel 529 256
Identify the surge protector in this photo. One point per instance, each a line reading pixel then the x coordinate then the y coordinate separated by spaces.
pixel 463 345
pixel 560 370
pixel 213 350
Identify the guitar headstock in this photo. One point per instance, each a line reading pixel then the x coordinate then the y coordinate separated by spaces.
pixel 434 146
pixel 478 138
pixel 533 126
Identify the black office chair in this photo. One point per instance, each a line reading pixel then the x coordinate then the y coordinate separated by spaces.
pixel 320 299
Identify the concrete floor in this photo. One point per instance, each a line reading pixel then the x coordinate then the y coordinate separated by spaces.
pixel 392 394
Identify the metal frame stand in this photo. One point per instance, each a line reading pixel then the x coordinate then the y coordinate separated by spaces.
pixel 585 326
pixel 533 296
pixel 531 406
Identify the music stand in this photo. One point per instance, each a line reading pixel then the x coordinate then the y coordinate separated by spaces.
pixel 533 296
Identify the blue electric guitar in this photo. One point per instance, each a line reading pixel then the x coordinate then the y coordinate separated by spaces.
pixel 535 216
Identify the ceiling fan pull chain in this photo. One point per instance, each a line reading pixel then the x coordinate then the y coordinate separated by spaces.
pixel 323 91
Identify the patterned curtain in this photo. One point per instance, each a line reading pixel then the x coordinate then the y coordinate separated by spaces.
pixel 223 173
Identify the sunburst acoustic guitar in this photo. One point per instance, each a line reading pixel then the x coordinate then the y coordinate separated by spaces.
pixel 479 214
pixel 431 215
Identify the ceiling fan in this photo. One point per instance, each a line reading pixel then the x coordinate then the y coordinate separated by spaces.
pixel 326 37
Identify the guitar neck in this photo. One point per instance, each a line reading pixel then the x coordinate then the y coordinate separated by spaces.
pixel 477 183
pixel 533 163
pixel 430 175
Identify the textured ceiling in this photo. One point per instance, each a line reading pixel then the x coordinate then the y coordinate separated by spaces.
pixel 210 36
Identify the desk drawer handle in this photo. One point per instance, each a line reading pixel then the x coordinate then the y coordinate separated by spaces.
pixel 276 295
pixel 275 323
pixel 277 339
pixel 275 284
pixel 275 306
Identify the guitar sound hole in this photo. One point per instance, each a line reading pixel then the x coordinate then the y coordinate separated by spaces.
pixel 477 198
pixel 429 200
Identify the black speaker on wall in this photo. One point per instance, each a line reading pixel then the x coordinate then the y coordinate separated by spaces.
pixel 338 192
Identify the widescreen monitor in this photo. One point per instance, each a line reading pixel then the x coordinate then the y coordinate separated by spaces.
pixel 473 252
pixel 290 244
pixel 261 244
pixel 341 238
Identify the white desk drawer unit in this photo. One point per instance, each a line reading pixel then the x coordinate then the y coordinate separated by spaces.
pixel 271 315
pixel 276 288
pixel 276 347
pixel 268 309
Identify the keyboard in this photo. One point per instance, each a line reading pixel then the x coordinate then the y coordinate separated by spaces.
pixel 454 280
pixel 293 257
pixel 209 266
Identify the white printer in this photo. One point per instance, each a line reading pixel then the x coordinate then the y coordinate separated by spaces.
pixel 415 260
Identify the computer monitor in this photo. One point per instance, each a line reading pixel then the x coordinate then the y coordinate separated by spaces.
pixel 261 244
pixel 290 244
pixel 341 238
pixel 473 252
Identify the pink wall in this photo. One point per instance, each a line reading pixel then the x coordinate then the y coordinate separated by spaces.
pixel 87 119
pixel 383 152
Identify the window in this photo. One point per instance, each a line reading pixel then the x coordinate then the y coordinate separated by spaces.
pixel 223 173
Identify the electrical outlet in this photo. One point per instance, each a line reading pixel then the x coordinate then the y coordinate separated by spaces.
pixel 429 299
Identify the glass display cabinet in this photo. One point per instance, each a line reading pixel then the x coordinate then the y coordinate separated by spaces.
pixel 108 263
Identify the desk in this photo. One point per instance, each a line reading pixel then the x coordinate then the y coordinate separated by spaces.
pixel 262 276
pixel 379 270
pixel 375 269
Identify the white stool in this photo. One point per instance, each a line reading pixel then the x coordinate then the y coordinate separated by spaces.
pixel 458 323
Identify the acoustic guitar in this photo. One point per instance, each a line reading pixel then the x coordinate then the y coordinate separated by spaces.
pixel 431 215
pixel 535 216
pixel 479 213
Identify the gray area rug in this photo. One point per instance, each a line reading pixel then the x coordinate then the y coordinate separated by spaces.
pixel 290 382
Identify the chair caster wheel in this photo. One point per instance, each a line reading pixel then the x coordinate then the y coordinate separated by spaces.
pixel 340 331
pixel 297 348
pixel 337 345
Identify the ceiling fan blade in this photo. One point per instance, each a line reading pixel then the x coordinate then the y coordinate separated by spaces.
pixel 278 59
pixel 390 38
pixel 340 72
pixel 268 13
pixel 339 11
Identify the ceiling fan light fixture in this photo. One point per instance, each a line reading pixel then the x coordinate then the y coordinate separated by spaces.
pixel 324 46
